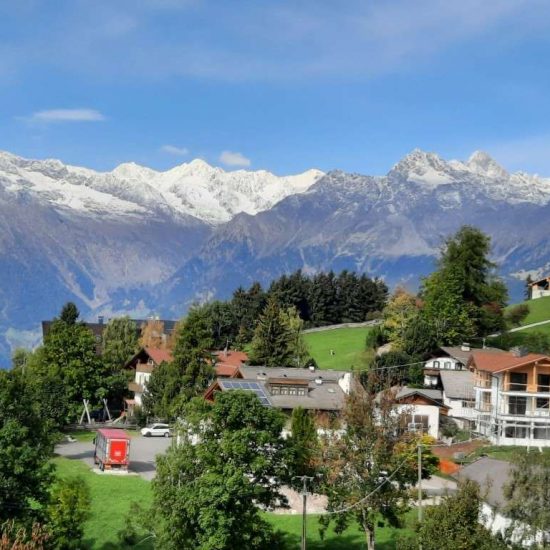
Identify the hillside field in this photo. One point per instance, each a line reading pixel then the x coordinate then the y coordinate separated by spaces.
pixel 539 310
pixel 348 345
pixel 112 497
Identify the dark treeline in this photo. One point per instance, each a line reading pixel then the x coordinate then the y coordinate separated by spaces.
pixel 320 300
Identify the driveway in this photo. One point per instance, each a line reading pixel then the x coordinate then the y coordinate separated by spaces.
pixel 143 451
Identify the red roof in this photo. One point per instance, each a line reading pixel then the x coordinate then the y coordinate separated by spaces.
pixel 497 362
pixel 223 369
pixel 231 357
pixel 159 355
pixel 113 433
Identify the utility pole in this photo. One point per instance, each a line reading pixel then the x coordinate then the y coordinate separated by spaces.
pixel 419 482
pixel 304 479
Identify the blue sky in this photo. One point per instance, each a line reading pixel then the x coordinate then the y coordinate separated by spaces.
pixel 275 85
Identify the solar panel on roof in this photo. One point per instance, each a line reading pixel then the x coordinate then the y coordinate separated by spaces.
pixel 254 387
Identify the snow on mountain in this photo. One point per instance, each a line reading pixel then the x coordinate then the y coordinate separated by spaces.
pixel 136 240
pixel 194 189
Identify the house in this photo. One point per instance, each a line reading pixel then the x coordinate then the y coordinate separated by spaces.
pixel 228 362
pixel 322 392
pixel 540 288
pixel 422 408
pixel 492 475
pixel 448 358
pixel 512 397
pixel 457 387
pixel 143 363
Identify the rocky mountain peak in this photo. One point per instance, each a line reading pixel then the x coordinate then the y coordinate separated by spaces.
pixel 483 164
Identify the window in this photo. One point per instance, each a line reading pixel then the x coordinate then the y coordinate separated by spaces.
pixel 292 391
pixel 517 431
pixel 417 422
pixel 284 390
pixel 518 381
pixel 543 404
pixel 275 390
pixel 541 431
pixel 468 403
pixel 301 391
pixel 517 405
pixel 543 382
pixel 447 365
pixel 436 365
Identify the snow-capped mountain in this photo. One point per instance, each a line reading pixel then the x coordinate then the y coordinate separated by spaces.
pixel 194 189
pixel 137 241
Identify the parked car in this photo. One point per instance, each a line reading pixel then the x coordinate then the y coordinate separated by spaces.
pixel 161 430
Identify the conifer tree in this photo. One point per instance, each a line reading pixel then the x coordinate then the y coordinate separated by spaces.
pixel 270 344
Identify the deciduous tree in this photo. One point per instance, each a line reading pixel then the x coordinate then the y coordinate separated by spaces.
pixel 68 510
pixel 26 445
pixel 528 495
pixel 206 493
pixel 366 468
pixel 454 524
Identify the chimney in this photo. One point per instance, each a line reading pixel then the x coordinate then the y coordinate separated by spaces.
pixel 100 319
pixel 518 351
pixel 465 347
pixel 312 368
pixel 319 380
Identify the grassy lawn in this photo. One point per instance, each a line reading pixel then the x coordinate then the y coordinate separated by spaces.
pixel 112 497
pixel 348 345
pixel 539 310
pixel 352 538
pixel 503 452
pixel 88 435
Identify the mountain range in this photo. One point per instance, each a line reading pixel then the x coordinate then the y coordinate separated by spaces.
pixel 139 241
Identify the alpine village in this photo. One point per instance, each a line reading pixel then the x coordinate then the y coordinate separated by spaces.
pixel 322 411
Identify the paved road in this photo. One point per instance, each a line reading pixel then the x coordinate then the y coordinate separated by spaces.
pixel 143 451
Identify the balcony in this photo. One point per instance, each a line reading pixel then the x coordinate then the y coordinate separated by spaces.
pixel 135 387
pixel 484 408
pixel 526 388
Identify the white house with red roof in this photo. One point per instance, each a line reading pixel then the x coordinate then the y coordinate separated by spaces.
pixel 143 363
pixel 512 397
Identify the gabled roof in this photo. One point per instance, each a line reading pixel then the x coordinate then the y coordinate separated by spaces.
pixel 456 352
pixel 457 384
pixel 230 357
pixel 491 475
pixel 291 372
pixel 435 396
pixel 490 362
pixel 159 355
pixel 324 396
pixel 224 370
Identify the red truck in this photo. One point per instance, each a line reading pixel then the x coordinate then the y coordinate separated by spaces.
pixel 112 449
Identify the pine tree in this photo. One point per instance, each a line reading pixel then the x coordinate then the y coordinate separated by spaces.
pixel 270 345
pixel 69 313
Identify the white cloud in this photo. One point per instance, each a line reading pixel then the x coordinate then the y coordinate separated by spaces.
pixel 67 115
pixel 229 158
pixel 173 150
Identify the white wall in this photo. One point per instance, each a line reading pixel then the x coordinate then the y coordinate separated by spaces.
pixel 431 411
pixel 445 363
pixel 456 409
pixel 497 523
pixel 140 378
pixel 539 293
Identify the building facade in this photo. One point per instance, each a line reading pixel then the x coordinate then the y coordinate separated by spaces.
pixel 512 397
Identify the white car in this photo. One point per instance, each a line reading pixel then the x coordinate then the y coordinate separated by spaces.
pixel 162 430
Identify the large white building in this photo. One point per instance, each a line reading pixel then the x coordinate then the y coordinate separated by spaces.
pixel 512 397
